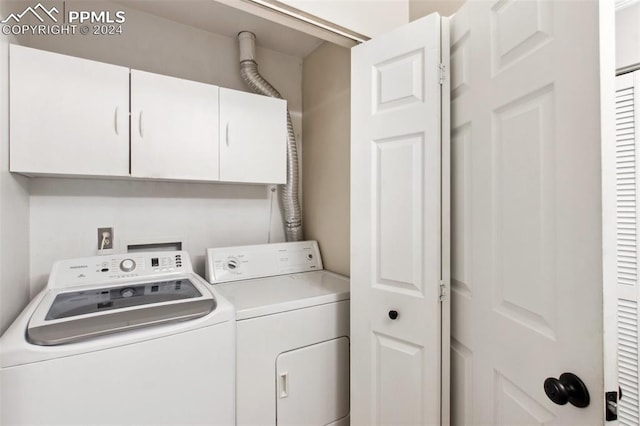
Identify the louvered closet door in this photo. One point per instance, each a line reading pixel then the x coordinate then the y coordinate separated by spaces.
pixel 627 244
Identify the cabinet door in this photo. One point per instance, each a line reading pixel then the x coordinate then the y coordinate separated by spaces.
pixel 313 384
pixel 68 115
pixel 174 128
pixel 253 138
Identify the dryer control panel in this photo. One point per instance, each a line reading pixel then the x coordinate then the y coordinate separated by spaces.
pixel 258 261
pixel 116 268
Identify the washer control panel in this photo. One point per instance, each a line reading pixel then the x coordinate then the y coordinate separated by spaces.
pixel 266 260
pixel 112 268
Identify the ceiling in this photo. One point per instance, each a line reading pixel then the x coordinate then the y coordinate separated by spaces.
pixel 220 19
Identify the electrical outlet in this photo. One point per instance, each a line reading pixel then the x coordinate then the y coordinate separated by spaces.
pixel 105 238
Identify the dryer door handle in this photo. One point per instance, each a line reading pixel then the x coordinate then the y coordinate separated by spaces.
pixel 284 385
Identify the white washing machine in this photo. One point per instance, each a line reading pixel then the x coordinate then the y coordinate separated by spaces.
pixel 292 333
pixel 124 339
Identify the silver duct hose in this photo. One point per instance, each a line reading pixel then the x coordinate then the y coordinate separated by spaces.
pixel 288 192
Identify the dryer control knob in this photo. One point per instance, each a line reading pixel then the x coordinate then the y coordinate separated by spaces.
pixel 232 265
pixel 127 265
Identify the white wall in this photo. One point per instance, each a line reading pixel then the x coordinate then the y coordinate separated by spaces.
pixel 14 209
pixel 628 37
pixel 327 147
pixel 65 213
pixel 420 8
pixel 366 17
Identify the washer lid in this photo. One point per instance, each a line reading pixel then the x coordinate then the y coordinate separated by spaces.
pixel 266 296
pixel 65 316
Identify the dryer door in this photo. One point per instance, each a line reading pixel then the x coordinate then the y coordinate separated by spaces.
pixel 313 384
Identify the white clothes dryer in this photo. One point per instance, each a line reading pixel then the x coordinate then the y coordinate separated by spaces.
pixel 124 339
pixel 292 333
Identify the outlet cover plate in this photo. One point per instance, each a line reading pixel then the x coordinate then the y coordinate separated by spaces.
pixel 109 243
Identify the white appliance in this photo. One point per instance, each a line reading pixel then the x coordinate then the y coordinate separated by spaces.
pixel 123 339
pixel 292 333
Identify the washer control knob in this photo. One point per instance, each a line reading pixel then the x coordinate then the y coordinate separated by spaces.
pixel 127 265
pixel 127 292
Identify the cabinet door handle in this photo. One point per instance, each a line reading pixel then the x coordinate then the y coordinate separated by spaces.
pixel 227 134
pixel 284 385
pixel 115 122
pixel 140 125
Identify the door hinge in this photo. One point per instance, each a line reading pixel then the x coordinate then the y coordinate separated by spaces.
pixel 443 74
pixel 443 290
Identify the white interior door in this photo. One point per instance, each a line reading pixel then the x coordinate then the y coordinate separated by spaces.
pixel 628 291
pixel 396 229
pixel 527 275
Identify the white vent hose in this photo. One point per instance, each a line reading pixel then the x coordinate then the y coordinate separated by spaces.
pixel 288 192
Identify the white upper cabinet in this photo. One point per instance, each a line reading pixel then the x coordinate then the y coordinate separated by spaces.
pixel 253 138
pixel 75 117
pixel 67 115
pixel 174 128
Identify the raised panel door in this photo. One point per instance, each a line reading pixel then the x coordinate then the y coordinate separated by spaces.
pixel 399 260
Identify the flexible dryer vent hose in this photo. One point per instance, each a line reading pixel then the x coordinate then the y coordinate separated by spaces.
pixel 288 192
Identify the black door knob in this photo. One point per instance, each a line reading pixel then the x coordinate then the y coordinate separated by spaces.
pixel 569 388
pixel 393 314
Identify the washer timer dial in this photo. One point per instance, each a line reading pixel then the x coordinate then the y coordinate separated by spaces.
pixel 127 265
